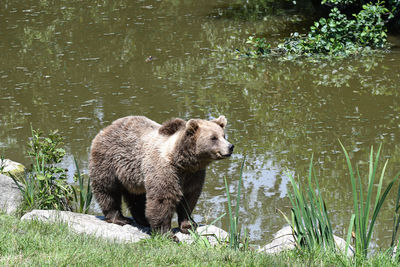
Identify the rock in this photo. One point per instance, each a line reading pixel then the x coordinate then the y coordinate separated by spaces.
pixel 394 253
pixel 213 234
pixel 10 195
pixel 341 245
pixel 284 240
pixel 8 166
pixel 90 224
pixel 95 225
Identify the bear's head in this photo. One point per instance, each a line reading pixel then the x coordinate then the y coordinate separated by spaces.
pixel 195 143
pixel 209 138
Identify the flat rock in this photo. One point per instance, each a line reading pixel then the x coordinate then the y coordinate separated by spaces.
pixel 90 224
pixel 95 225
pixel 10 195
pixel 211 233
pixel 11 167
pixel 284 240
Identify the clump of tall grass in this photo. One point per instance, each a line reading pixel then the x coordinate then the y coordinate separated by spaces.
pixel 82 195
pixel 310 220
pixel 396 223
pixel 364 206
pixel 235 239
pixel 309 217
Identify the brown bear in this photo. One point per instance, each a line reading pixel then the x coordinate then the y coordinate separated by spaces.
pixel 157 169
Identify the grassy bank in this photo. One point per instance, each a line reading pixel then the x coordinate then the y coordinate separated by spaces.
pixel 24 243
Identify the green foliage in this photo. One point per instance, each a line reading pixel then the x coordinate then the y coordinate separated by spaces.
pixel 330 36
pixel 336 36
pixel 235 239
pixel 361 220
pixel 82 195
pixel 259 46
pixel 370 26
pixel 310 221
pixel 47 148
pixel 338 2
pixel 45 186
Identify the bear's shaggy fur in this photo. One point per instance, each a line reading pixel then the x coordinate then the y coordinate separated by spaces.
pixel 157 169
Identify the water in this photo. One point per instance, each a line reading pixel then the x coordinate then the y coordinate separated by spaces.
pixel 77 66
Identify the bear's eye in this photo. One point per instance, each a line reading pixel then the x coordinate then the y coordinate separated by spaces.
pixel 214 138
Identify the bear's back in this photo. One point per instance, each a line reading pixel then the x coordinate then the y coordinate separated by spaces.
pixel 119 147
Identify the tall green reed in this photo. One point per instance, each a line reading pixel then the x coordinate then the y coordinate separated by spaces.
pixel 82 194
pixel 309 217
pixel 396 224
pixel 235 239
pixel 361 220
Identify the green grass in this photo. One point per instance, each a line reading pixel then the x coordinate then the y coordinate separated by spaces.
pixel 310 220
pixel 364 206
pixel 235 239
pixel 33 243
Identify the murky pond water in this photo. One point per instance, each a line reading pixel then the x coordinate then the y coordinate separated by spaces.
pixel 77 66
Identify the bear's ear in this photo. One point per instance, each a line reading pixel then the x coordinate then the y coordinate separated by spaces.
pixel 172 126
pixel 221 121
pixel 191 127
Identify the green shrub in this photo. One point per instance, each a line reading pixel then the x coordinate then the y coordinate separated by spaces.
pixel 336 36
pixel 45 185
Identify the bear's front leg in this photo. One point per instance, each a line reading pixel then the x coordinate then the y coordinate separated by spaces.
pixel 185 220
pixel 191 195
pixel 160 207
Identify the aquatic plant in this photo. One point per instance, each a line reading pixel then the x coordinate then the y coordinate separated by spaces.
pixel 396 224
pixel 361 220
pixel 335 36
pixel 84 192
pixel 310 221
pixel 309 217
pixel 235 239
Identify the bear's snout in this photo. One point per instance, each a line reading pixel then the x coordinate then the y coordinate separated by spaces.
pixel 227 151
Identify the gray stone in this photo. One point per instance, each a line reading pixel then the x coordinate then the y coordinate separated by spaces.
pixel 10 195
pixel 211 233
pixel 90 224
pixel 394 252
pixel 95 225
pixel 11 167
pixel 284 240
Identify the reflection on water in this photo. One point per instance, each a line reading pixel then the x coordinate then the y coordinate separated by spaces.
pixel 76 67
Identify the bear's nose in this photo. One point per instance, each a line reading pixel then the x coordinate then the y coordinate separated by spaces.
pixel 231 148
